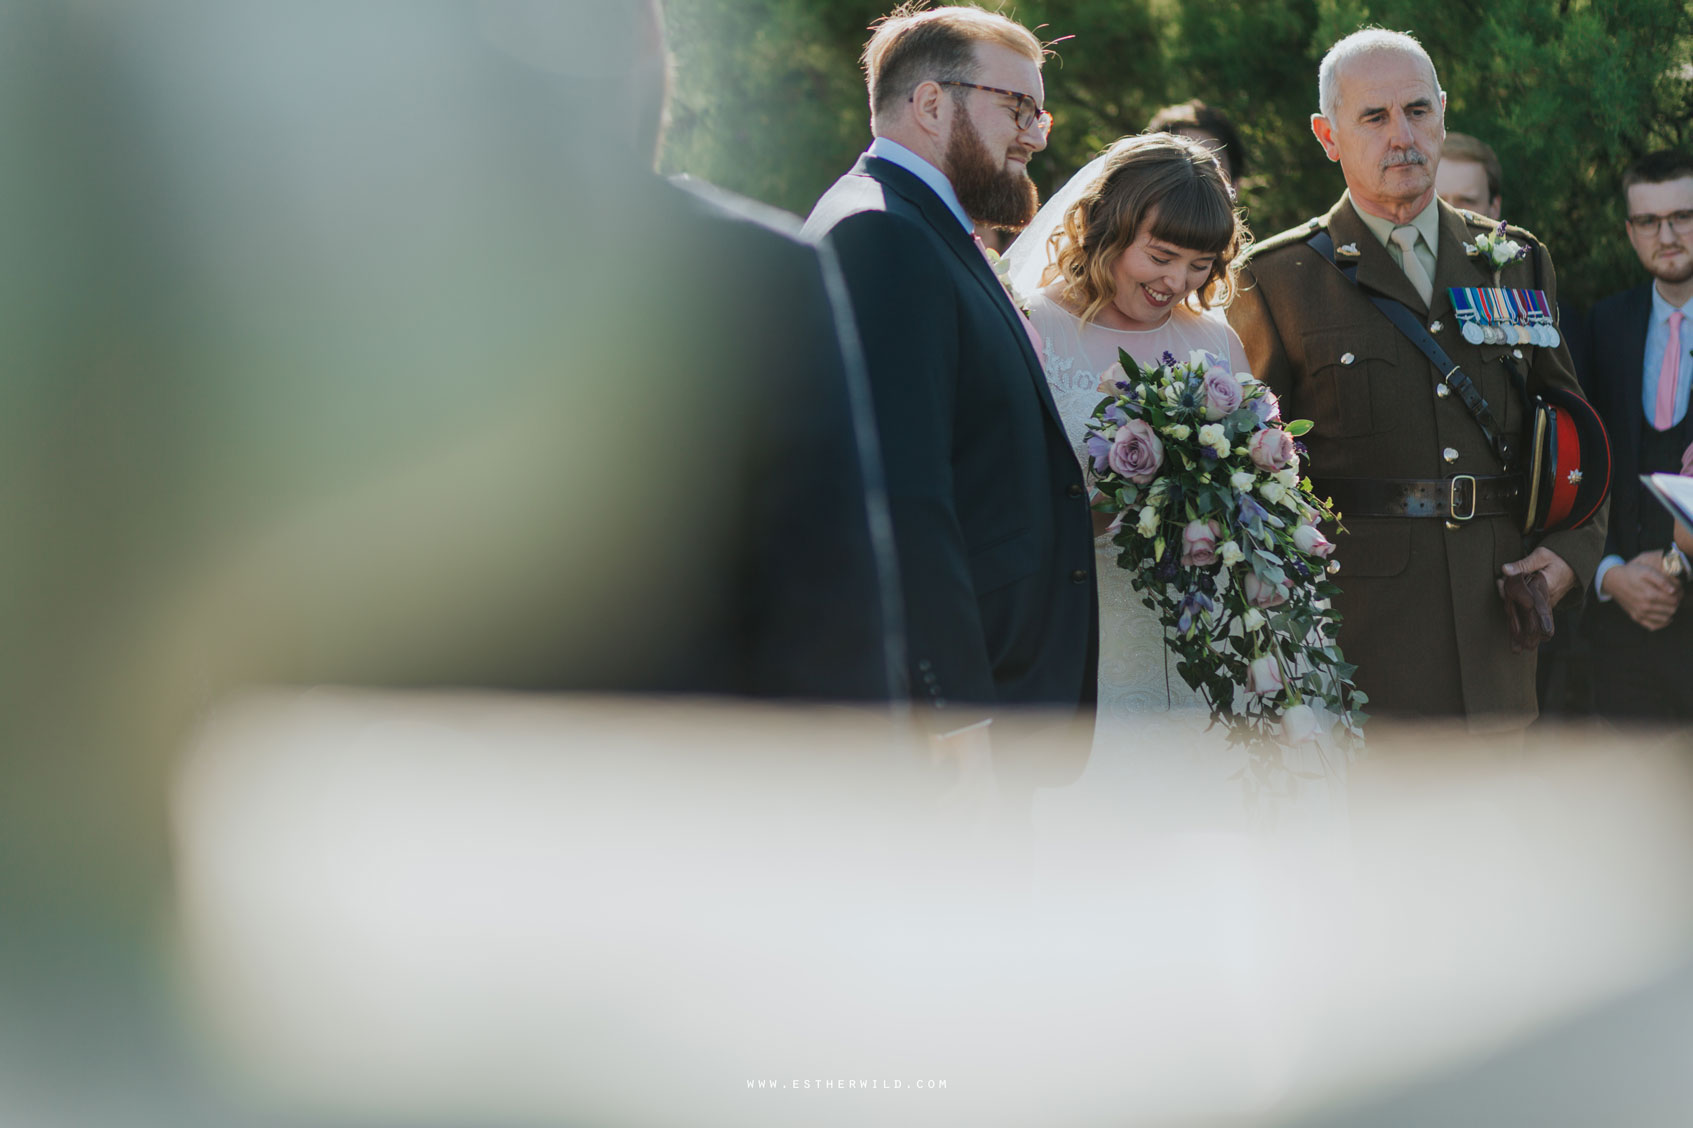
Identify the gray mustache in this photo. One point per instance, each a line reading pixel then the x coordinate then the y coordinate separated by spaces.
pixel 1404 157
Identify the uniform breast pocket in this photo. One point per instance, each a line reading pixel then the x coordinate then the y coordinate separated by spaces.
pixel 1344 384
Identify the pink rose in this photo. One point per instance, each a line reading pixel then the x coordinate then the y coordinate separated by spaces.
pixel 1222 394
pixel 1271 449
pixel 1199 544
pixel 1260 594
pixel 1300 726
pixel 1137 453
pixel 1309 538
pixel 1110 378
pixel 1264 676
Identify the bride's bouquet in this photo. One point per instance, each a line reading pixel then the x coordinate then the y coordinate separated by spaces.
pixel 1223 539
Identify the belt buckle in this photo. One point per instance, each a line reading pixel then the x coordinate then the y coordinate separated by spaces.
pixel 1452 497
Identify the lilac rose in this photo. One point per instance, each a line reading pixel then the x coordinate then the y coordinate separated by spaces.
pixel 1261 594
pixel 1222 394
pixel 1199 544
pixel 1138 453
pixel 1271 449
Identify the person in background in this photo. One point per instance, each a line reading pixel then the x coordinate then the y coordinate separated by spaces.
pixel 1469 175
pixel 1209 126
pixel 1642 340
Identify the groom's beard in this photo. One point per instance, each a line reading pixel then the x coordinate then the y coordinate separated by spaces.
pixel 989 192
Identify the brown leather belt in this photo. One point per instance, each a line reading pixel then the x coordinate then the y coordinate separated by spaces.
pixel 1457 498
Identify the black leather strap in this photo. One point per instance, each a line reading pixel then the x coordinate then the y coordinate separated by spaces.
pixel 1504 445
pixel 1457 498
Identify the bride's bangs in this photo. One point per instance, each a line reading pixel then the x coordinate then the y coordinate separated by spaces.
pixel 1195 218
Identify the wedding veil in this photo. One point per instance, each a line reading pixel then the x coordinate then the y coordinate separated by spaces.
pixel 1030 252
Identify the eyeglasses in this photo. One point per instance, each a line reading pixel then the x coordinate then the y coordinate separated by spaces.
pixel 1681 222
pixel 1027 113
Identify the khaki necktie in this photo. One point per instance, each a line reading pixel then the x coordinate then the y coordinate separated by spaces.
pixel 1406 237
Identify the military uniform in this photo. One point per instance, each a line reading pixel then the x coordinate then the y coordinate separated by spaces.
pixel 1423 619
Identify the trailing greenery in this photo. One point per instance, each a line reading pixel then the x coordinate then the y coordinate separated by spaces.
pixel 769 100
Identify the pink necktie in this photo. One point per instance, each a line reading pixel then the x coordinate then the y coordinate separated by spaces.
pixel 1663 415
pixel 1028 326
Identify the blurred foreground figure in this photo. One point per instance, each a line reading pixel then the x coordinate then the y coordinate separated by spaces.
pixel 490 934
pixel 363 346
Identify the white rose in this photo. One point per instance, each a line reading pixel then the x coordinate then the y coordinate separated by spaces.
pixel 1178 431
pixel 1230 553
pixel 1273 492
pixel 1213 436
pixel 1148 523
pixel 1300 725
pixel 1252 620
pixel 1242 480
pixel 1288 477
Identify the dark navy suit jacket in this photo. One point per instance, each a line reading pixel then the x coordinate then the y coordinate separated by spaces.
pixel 1616 347
pixel 990 512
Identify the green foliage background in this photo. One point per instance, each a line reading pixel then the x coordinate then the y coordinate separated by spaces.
pixel 768 99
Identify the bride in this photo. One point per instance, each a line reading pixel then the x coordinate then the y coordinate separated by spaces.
pixel 1138 252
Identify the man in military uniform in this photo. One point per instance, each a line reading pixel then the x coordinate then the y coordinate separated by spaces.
pixel 1434 518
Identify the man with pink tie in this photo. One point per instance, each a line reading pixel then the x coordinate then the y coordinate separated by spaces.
pixel 1642 362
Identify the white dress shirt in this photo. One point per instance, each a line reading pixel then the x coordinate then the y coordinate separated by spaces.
pixel 895 153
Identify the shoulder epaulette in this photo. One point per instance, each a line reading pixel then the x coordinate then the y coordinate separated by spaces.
pixel 1286 238
pixel 1487 223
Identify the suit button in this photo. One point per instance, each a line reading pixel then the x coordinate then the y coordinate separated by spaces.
pixel 1450 454
pixel 925 664
pixel 1074 490
pixel 1442 391
pixel 1079 576
pixel 1347 358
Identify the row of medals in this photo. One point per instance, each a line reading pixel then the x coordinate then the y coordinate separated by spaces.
pixel 1505 317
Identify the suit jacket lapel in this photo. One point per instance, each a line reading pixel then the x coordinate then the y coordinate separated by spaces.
pixel 952 233
pixel 1376 269
pixel 1631 361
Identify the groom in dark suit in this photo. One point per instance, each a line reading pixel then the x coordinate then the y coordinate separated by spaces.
pixel 990 511
pixel 1639 370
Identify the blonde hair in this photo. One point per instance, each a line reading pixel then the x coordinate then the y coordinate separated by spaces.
pixel 1169 182
pixel 912 45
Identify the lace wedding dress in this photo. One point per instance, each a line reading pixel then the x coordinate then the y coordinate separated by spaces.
pixel 1153 761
